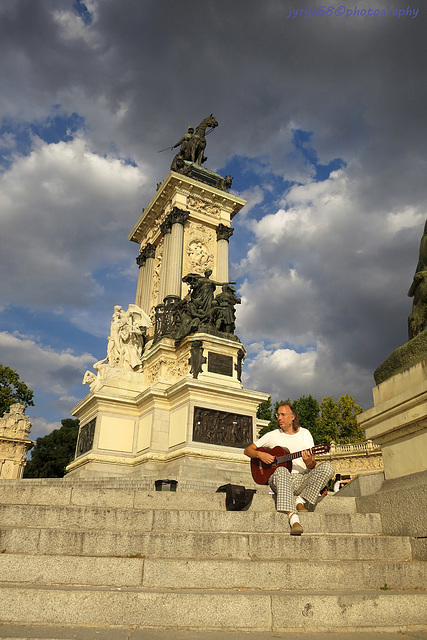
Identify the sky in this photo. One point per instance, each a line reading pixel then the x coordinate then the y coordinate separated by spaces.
pixel 321 123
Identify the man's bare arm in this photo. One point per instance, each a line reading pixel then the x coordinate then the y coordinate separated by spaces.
pixel 253 452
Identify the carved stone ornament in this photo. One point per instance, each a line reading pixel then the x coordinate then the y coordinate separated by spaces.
pixel 85 439
pixel 199 255
pixel 197 359
pixel 150 251
pixel 222 428
pixel 14 423
pixel 223 232
pixel 166 226
pixel 179 216
pixel 141 259
pixel 126 344
pixel 155 282
pixel 208 208
pixel 241 355
pixel 14 443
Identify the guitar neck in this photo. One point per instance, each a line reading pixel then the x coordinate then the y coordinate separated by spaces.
pixel 290 456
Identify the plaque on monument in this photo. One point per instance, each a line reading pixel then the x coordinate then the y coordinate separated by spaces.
pixel 223 428
pixel 219 363
pixel 86 435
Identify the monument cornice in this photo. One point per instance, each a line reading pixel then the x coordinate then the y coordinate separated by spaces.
pixel 155 456
pixel 173 183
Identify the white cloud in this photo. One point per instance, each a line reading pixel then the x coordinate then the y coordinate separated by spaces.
pixel 320 276
pixel 40 366
pixel 41 427
pixel 62 210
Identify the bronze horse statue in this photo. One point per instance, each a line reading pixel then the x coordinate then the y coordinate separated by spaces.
pixel 197 144
pixel 192 148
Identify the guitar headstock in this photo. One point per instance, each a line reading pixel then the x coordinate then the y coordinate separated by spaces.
pixel 320 448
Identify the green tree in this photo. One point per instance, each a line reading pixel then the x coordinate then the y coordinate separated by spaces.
pixel 52 453
pixel 265 410
pixel 327 423
pixel 348 429
pixel 273 420
pixel 308 411
pixel 12 390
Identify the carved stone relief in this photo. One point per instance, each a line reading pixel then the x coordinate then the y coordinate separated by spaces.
pixel 85 439
pixel 199 254
pixel 222 428
pixel 160 370
pixel 204 206
pixel 14 443
pixel 156 279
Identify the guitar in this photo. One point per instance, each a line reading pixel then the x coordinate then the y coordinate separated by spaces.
pixel 283 458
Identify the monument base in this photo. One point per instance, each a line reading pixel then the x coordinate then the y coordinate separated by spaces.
pixel 398 421
pixel 184 416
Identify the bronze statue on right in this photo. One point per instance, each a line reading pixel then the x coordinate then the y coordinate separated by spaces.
pixel 417 321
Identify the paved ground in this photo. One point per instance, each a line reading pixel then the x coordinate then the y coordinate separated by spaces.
pixel 12 632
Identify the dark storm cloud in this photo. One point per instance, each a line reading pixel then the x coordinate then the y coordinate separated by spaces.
pixel 141 72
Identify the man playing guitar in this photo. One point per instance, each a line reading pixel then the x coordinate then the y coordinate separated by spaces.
pixel 306 478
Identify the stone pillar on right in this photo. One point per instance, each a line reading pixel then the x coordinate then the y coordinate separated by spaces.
pixel 398 421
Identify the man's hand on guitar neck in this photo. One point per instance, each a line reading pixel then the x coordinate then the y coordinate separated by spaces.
pixel 308 458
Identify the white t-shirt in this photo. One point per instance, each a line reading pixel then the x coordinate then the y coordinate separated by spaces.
pixel 298 441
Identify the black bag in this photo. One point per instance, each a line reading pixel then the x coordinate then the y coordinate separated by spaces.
pixel 237 497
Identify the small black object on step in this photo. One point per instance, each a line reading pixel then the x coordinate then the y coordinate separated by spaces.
pixel 237 497
pixel 166 485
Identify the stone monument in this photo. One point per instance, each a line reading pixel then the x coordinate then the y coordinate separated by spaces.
pixel 168 400
pixel 14 442
pixel 398 420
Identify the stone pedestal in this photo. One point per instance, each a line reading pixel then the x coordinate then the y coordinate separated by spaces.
pixel 182 411
pixel 398 421
pixel 185 415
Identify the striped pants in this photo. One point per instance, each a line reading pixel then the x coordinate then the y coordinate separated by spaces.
pixel 307 485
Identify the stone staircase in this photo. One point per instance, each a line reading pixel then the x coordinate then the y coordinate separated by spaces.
pixel 100 553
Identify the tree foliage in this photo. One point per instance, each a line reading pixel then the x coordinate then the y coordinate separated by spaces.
pixel 327 422
pixel 308 411
pixel 270 414
pixel 12 390
pixel 349 430
pixel 52 453
pixel 265 410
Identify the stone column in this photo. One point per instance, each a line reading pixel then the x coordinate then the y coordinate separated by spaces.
pixel 165 228
pixel 178 218
pixel 147 279
pixel 223 235
pixel 140 261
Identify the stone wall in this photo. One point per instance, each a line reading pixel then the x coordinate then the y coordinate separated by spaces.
pixel 354 459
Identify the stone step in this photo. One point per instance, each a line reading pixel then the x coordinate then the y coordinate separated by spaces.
pixel 77 495
pixel 160 573
pixel 116 519
pixel 215 609
pixel 101 632
pixel 198 545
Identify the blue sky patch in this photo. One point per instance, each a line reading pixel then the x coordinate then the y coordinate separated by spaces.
pixel 16 137
pixel 81 9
